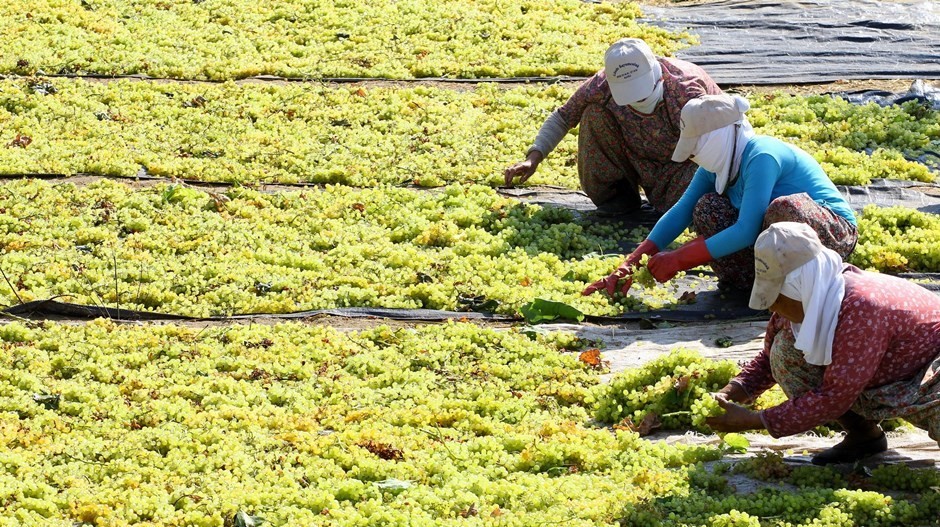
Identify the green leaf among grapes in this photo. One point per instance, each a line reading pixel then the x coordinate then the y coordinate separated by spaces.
pixel 243 519
pixel 541 310
pixel 392 484
pixel 736 442
pixel 49 402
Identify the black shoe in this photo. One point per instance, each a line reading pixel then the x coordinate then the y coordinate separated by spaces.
pixel 850 453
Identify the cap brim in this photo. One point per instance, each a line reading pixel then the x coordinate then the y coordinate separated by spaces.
pixel 764 293
pixel 634 90
pixel 684 148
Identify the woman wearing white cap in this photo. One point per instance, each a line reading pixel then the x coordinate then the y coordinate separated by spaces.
pixel 843 344
pixel 629 125
pixel 745 183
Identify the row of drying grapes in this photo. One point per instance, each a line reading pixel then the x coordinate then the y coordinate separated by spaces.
pixel 177 249
pixel 108 424
pixel 898 239
pixel 841 135
pixel 368 136
pixel 396 39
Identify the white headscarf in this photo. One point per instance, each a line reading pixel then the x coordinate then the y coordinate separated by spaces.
pixel 648 104
pixel 713 152
pixel 820 287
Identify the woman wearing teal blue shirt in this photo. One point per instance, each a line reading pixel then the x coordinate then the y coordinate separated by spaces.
pixel 744 183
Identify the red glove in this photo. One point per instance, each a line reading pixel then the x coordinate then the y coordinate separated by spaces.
pixel 624 271
pixel 664 266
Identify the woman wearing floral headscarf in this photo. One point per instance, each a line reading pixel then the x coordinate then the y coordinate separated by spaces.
pixel 843 344
pixel 744 183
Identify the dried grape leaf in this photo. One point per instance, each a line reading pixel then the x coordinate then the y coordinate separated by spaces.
pixel 682 383
pixel 591 357
pixel 382 450
pixel 648 424
pixel 20 141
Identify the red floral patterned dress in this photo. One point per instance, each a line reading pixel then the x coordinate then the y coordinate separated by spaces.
pixel 885 360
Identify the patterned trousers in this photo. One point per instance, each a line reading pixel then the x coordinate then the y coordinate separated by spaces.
pixel 714 213
pixel 610 173
pixel 916 400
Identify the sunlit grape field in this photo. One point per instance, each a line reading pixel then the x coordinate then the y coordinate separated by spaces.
pixel 147 167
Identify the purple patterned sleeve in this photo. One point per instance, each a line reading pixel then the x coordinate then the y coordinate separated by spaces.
pixel 591 91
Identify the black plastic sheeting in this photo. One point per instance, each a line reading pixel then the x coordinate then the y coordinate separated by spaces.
pixel 919 91
pixel 772 42
pixel 54 308
pixel 709 305
pixel 894 193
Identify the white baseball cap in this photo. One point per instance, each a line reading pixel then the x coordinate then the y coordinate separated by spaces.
pixel 632 70
pixel 706 114
pixel 780 249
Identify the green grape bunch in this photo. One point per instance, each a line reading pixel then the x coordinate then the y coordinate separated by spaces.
pixel 675 388
pixel 642 275
pixel 703 408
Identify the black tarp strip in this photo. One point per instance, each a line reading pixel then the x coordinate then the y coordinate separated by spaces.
pixel 323 80
pixel 50 308
pixel 710 305
pixel 40 309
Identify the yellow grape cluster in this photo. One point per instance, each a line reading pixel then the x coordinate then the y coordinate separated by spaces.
pixel 903 477
pixel 394 39
pixel 853 143
pixel 897 239
pixel 176 249
pixel 642 275
pixel 164 425
pixel 160 425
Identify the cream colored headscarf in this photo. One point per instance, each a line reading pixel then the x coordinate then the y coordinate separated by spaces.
pixel 820 287
pixel 648 104
pixel 713 152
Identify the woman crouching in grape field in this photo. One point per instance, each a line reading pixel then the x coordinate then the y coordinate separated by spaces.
pixel 629 118
pixel 745 183
pixel 843 344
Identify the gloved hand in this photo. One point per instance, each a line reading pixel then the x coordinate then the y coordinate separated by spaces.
pixel 625 270
pixel 665 265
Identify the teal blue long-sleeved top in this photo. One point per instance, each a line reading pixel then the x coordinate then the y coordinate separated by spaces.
pixel 769 169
